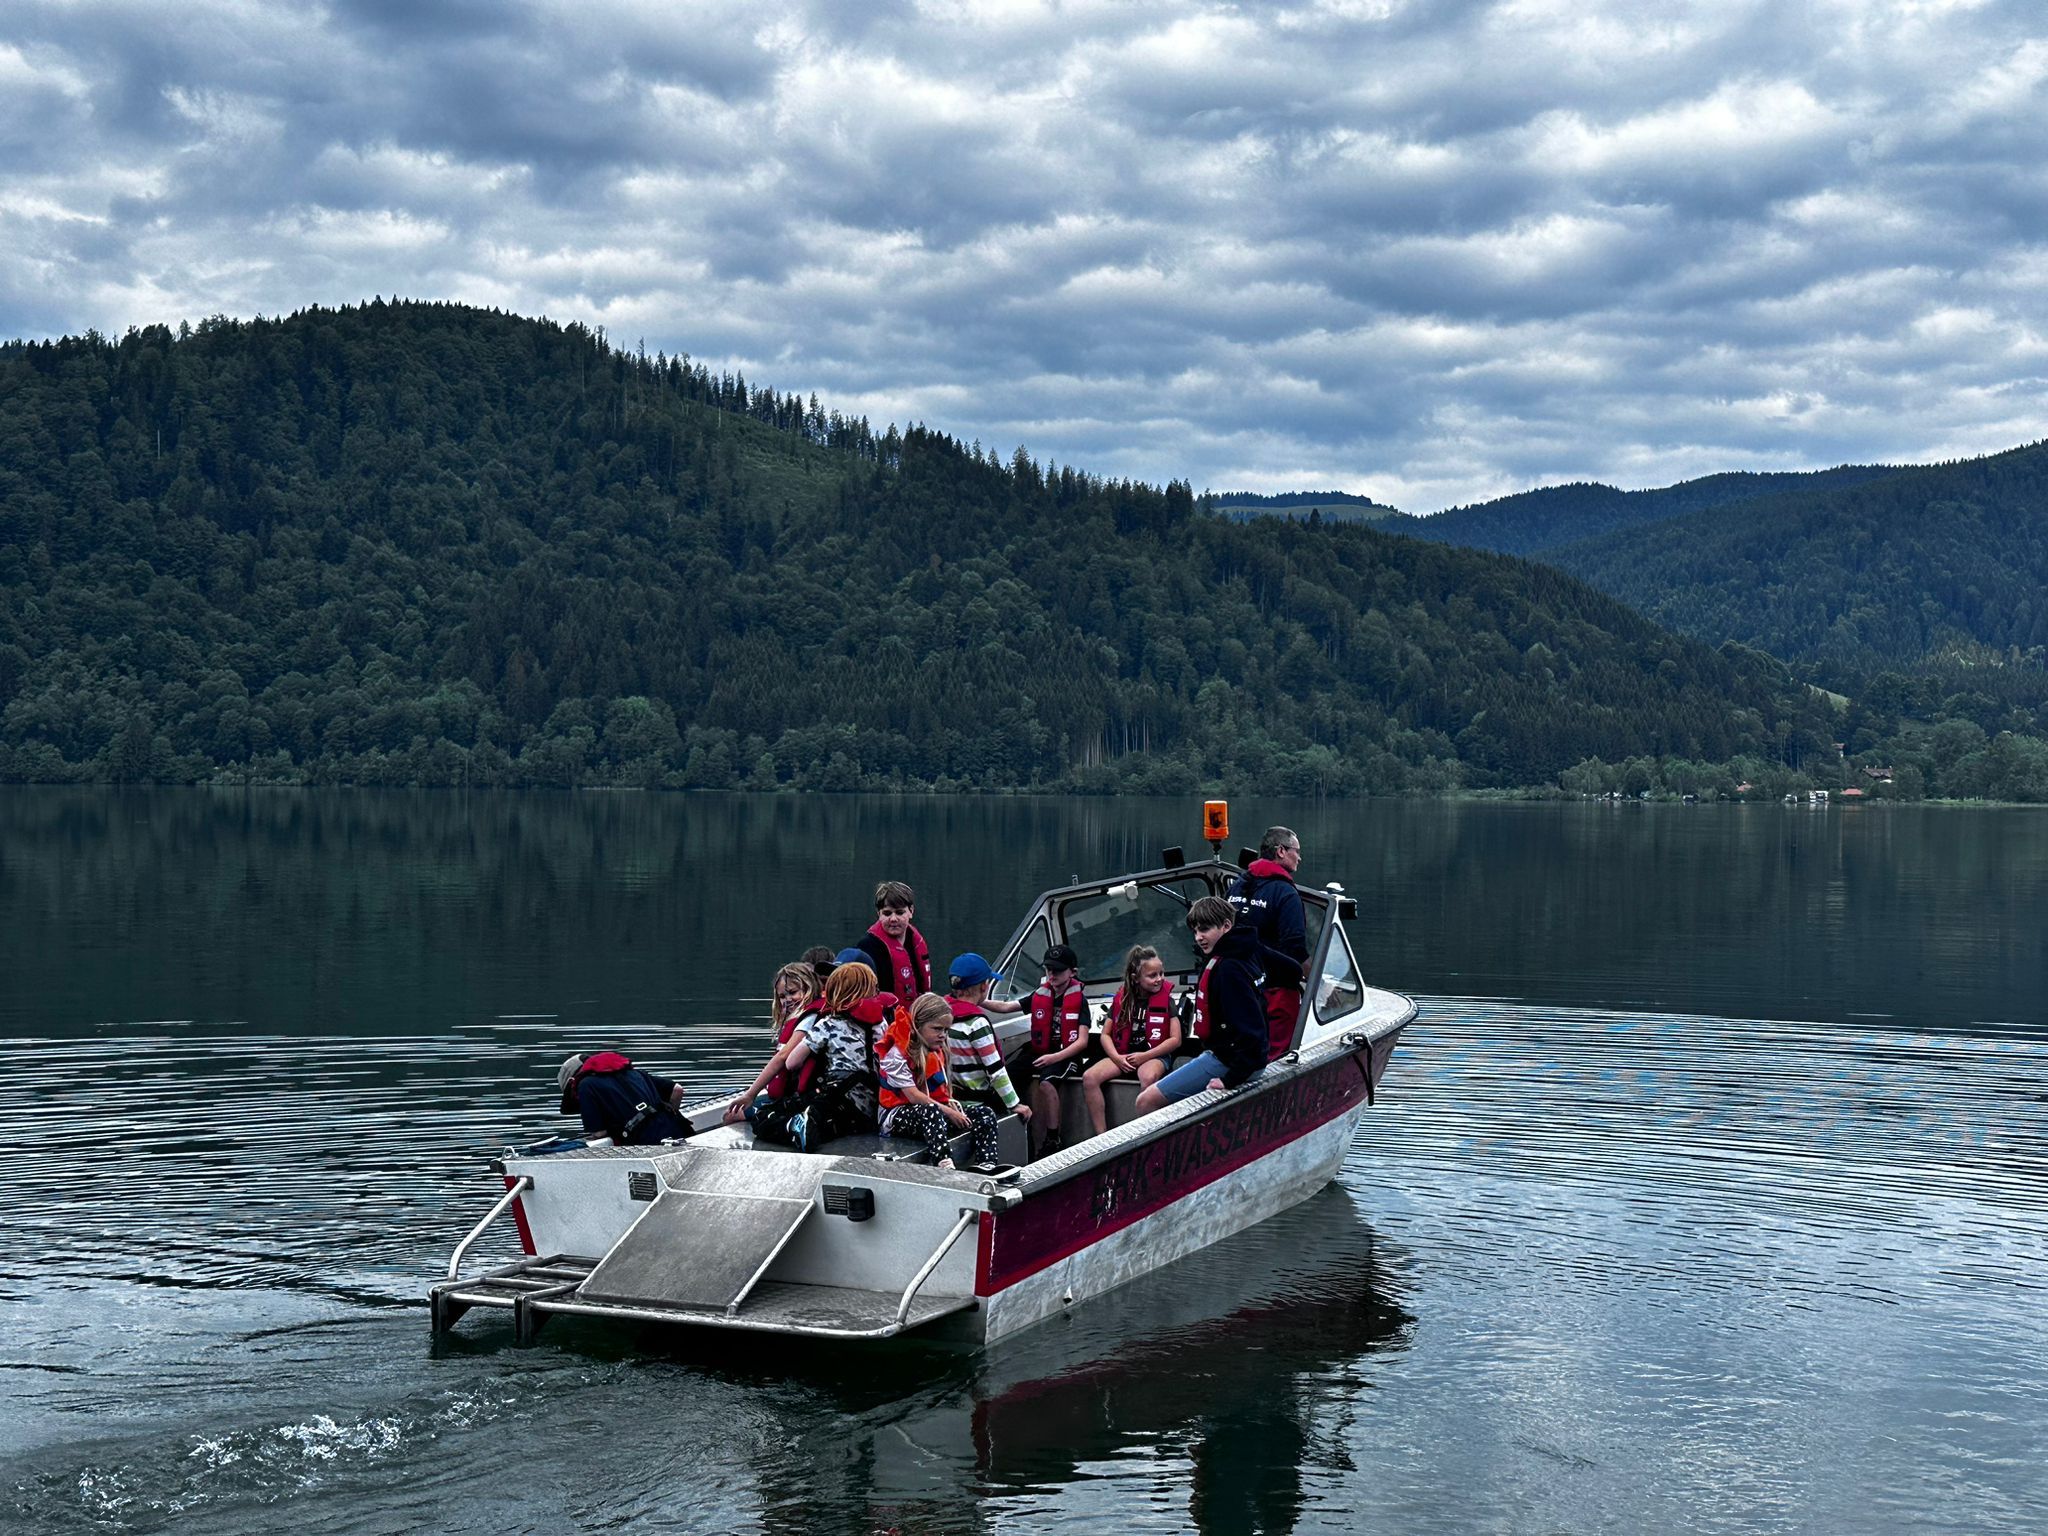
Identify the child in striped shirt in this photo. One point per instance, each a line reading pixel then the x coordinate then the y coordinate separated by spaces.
pixel 975 1060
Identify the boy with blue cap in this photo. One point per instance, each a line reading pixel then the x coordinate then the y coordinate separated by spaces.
pixel 974 1061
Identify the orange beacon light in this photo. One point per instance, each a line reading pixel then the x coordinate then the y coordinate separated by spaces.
pixel 1216 822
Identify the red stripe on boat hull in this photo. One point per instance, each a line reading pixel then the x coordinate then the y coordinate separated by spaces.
pixel 519 1219
pixel 1059 1222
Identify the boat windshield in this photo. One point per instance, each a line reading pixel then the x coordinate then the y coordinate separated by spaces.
pixel 1024 964
pixel 1102 927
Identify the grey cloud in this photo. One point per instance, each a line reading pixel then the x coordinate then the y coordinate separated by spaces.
pixel 1434 255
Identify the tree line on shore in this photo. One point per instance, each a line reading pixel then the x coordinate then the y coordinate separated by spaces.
pixel 426 544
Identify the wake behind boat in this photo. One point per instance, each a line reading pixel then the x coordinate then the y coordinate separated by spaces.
pixel 866 1238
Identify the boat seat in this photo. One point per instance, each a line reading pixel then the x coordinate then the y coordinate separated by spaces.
pixel 892 1148
pixel 1119 1100
pixel 1010 1146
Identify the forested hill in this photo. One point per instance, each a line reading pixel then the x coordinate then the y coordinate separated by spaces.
pixel 1534 522
pixel 1940 567
pixel 428 544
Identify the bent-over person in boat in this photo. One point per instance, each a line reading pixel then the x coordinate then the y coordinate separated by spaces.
pixel 619 1100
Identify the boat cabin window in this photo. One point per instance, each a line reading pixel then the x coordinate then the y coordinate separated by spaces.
pixel 1338 990
pixel 1313 915
pixel 1103 927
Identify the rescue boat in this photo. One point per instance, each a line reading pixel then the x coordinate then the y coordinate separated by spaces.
pixel 865 1239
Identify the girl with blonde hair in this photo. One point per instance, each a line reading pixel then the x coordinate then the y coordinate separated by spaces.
pixel 793 994
pixel 839 1036
pixel 917 1103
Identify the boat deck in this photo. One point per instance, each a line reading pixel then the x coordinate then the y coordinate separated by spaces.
pixel 533 1290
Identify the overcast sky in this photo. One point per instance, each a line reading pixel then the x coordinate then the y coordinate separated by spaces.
pixel 1431 251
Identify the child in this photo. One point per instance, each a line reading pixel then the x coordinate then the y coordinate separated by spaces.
pixel 1059 1036
pixel 974 1061
pixel 895 951
pixel 1140 1035
pixel 917 1104
pixel 1229 1004
pixel 793 994
pixel 840 1100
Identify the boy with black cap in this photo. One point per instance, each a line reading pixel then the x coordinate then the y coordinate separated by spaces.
pixel 1059 1039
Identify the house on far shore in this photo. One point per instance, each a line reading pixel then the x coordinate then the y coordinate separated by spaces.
pixel 1878 775
pixel 1853 793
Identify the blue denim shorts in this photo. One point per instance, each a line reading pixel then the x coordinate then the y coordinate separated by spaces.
pixel 1189 1078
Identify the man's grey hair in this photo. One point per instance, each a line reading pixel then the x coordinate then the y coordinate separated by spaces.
pixel 1276 838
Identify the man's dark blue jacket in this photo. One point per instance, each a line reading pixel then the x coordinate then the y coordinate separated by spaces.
pixel 1267 902
pixel 626 1104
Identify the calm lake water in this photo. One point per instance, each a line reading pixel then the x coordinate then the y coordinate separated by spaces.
pixel 1708 1193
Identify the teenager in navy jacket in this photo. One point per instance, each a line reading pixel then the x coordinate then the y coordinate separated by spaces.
pixel 1231 1009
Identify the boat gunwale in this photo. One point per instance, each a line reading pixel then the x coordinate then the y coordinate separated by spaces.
pixel 1116 1141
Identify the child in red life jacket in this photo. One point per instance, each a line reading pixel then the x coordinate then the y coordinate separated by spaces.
pixel 917 1104
pixel 1141 1034
pixel 839 1035
pixel 794 994
pixel 1059 1040
pixel 894 950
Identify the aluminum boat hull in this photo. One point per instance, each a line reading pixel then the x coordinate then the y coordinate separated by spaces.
pixel 968 1258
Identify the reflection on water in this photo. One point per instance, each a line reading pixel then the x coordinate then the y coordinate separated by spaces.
pixel 1589 1265
pixel 1242 1364
pixel 366 912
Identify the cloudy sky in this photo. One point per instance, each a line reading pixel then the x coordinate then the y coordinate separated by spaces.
pixel 1430 250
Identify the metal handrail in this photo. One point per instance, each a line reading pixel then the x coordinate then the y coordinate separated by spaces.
pixel 910 1291
pixel 523 1183
pixel 732 1307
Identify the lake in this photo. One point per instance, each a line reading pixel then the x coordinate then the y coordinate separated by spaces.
pixel 1709 1191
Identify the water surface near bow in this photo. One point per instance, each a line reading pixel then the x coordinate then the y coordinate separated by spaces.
pixel 1709 1191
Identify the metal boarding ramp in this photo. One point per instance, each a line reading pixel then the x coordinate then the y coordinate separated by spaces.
pixel 664 1270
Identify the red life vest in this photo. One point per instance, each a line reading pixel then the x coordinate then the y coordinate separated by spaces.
pixel 779 1086
pixel 1057 1024
pixel 1155 1020
pixel 965 1010
pixel 876 1011
pixel 598 1063
pixel 911 964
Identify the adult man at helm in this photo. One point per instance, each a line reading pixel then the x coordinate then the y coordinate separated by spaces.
pixel 1266 901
